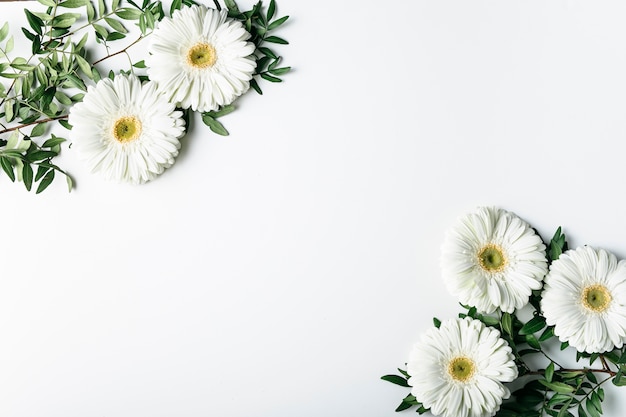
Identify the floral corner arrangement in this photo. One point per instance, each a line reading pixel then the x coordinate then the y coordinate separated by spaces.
pixel 527 305
pixel 126 123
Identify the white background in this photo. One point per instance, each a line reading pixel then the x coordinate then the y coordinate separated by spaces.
pixel 282 270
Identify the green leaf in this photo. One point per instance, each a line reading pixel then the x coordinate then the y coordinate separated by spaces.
pixel 48 95
pixel 597 402
pixel 591 410
pixel 54 141
pixel 14 140
pixel 45 181
pixel 116 25
pixel 83 65
pixel 8 110
pixel 276 39
pixel 127 13
pixel 80 45
pixel 35 23
pixel 176 5
pixel 4 31
pixel 23 67
pixel 532 341
pixel 549 372
pixel 564 411
pixel 140 64
pixel 49 3
pixel 557 245
pixel 271 10
pixel 41 170
pixel 581 411
pixel 63 22
pixel 72 4
pixel 276 24
pixel 223 111
pixel 436 322
pixel 619 379
pixel 101 7
pixel 143 26
pixel 214 125
pixel 100 30
pixel 396 379
pixel 63 98
pixel 534 325
pixel 559 387
pixel 66 16
pixel 490 320
pixel 270 78
pixel 559 399
pixel 27 176
pixel 38 130
pixel 91 12
pixel 7 167
pixel 268 52
pixel 113 36
pixel 280 71
pixel 70 183
pixel 232 6
pixel 547 334
pixel 507 323
pixel 41 155
pixel 9 45
pixel 403 406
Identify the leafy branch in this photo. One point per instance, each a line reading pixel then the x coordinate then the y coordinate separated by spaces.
pixel 43 86
pixel 551 390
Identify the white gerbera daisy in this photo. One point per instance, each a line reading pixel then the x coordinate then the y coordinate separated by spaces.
pixel 126 130
pixel 584 297
pixel 493 259
pixel 458 369
pixel 200 58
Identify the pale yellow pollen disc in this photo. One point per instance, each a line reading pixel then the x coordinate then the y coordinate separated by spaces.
pixel 201 55
pixel 461 368
pixel 492 258
pixel 596 298
pixel 126 129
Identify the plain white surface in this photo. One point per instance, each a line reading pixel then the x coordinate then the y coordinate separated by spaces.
pixel 282 270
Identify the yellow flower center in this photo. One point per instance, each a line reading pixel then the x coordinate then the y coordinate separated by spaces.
pixel 491 258
pixel 596 298
pixel 126 129
pixel 461 368
pixel 201 55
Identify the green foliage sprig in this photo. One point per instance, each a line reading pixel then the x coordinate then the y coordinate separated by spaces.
pixel 552 389
pixel 40 88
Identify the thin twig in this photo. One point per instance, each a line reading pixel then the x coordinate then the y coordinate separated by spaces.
pixel 119 52
pixel 36 122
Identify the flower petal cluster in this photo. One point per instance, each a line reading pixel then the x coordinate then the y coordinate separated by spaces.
pixel 457 370
pixel 200 58
pixel 126 130
pixel 493 259
pixel 584 297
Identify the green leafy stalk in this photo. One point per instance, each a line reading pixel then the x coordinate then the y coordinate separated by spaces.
pixel 43 86
pixel 552 389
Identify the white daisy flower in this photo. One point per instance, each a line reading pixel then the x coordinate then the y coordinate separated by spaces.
pixel 200 58
pixel 458 369
pixel 493 259
pixel 584 297
pixel 126 130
